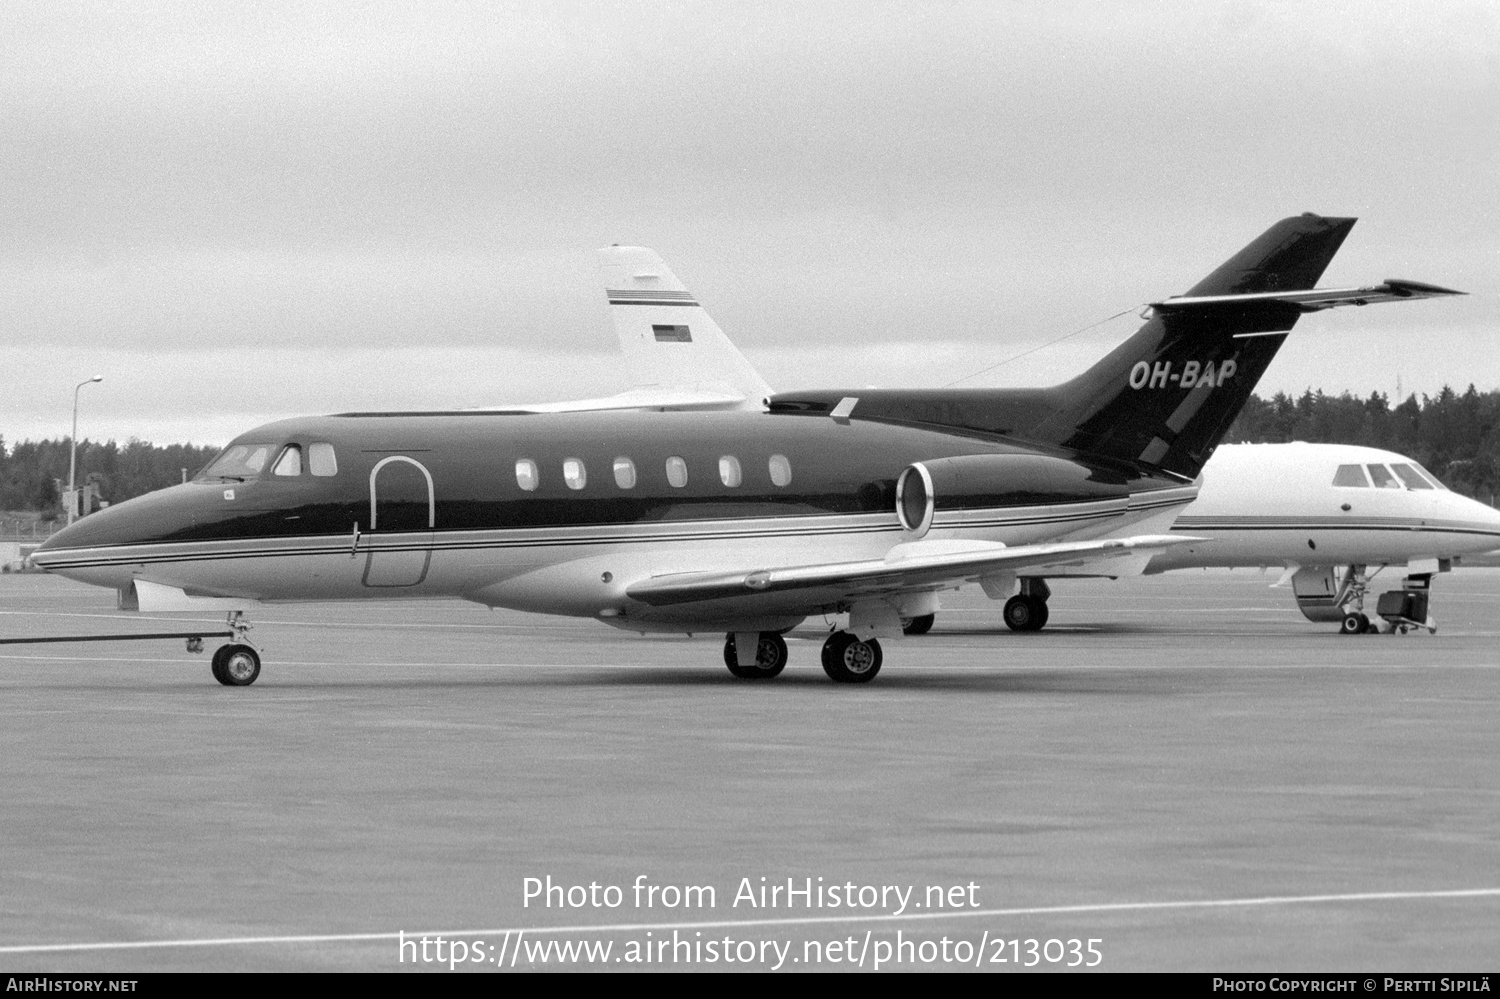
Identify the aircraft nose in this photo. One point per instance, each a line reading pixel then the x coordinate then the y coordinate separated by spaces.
pixel 154 517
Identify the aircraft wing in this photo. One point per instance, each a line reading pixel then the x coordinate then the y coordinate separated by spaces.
pixel 910 567
pixel 1313 299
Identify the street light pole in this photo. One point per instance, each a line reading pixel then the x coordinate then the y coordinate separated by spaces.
pixel 73 453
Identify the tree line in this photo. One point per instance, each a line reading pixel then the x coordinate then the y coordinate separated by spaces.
pixel 33 474
pixel 1456 437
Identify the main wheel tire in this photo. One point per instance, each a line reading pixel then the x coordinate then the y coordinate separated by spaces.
pixel 918 625
pixel 1368 627
pixel 1353 624
pixel 847 659
pixel 239 665
pixel 1024 613
pixel 770 657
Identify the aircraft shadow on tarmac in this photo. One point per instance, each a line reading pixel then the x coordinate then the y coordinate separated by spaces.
pixel 999 679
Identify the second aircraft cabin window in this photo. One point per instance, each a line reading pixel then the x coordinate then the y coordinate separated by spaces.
pixel 574 474
pixel 781 470
pixel 527 476
pixel 729 471
pixel 676 472
pixel 624 473
pixel 1350 476
pixel 290 462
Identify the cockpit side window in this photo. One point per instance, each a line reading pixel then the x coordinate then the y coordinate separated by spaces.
pixel 239 461
pixel 1437 483
pixel 1383 477
pixel 1411 477
pixel 1351 476
pixel 290 462
pixel 321 459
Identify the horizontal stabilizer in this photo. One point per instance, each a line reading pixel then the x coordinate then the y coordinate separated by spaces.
pixel 1312 299
pixel 908 567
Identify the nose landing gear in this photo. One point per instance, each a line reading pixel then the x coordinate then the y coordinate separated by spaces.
pixel 238 663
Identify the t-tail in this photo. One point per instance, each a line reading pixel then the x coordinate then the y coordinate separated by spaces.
pixel 1167 395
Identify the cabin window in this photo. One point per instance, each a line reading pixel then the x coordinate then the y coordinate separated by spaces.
pixel 676 472
pixel 781 470
pixel 624 473
pixel 574 474
pixel 527 476
pixel 290 462
pixel 729 471
pixel 1411 477
pixel 241 461
pixel 1382 477
pixel 1351 476
pixel 321 460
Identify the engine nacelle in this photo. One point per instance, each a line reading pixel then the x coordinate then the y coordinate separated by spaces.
pixel 991 481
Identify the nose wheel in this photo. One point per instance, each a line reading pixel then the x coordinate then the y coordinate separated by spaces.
pixel 1356 624
pixel 236 665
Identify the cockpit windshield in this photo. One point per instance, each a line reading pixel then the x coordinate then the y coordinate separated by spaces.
pixel 1416 477
pixel 239 461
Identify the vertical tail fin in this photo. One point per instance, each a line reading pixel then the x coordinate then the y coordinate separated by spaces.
pixel 1168 394
pixel 668 339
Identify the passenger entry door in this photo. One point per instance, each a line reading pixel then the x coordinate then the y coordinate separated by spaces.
pixel 403 512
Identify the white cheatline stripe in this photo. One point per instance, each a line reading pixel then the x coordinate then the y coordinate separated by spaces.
pixel 1044 910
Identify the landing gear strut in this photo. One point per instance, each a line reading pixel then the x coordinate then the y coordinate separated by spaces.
pixel 770 656
pixel 238 663
pixel 850 659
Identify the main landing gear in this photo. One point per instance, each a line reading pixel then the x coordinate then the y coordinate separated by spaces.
pixel 850 659
pixel 917 625
pixel 238 663
pixel 770 655
pixel 846 657
pixel 1027 610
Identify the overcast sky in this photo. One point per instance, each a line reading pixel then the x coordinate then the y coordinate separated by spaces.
pixel 242 212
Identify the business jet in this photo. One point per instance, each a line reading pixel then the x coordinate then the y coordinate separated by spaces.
pixel 1328 513
pixel 708 513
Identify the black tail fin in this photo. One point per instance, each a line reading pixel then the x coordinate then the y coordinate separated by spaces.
pixel 1165 396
